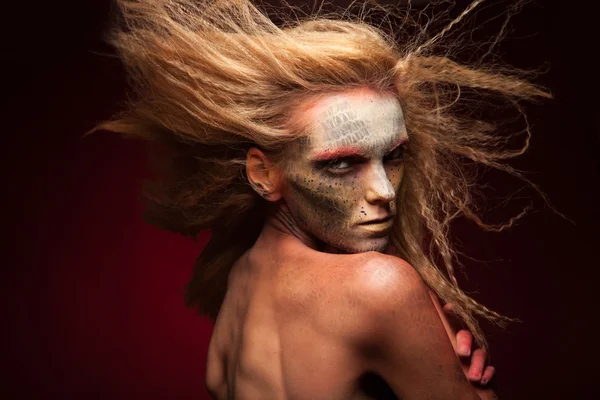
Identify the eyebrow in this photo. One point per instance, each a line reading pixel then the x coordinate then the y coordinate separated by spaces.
pixel 398 143
pixel 341 152
pixel 351 151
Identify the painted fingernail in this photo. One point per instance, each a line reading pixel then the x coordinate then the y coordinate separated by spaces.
pixel 475 376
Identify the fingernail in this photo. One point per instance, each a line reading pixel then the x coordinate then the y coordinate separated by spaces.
pixel 483 381
pixel 465 351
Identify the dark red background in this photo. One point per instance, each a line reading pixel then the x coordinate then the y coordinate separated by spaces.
pixel 91 301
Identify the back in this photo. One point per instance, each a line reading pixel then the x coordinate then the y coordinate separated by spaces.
pixel 282 332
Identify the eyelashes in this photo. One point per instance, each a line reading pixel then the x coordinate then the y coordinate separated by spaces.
pixel 340 166
pixel 395 155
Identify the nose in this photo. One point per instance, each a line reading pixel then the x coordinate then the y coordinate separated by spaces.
pixel 379 187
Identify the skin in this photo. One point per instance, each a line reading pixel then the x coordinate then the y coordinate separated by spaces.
pixel 298 301
pixel 348 172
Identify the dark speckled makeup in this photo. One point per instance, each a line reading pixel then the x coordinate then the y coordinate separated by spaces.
pixel 341 186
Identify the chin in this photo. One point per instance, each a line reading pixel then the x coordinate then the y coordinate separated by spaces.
pixel 365 245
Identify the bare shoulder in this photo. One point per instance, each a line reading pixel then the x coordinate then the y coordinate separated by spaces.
pixel 384 281
pixel 379 311
pixel 361 288
pixel 340 293
pixel 400 335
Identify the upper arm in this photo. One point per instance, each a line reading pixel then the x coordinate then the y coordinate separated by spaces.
pixel 215 370
pixel 404 339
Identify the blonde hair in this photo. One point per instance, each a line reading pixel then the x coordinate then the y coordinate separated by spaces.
pixel 214 78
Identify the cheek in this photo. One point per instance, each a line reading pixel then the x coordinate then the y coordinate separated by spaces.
pixel 320 196
pixel 395 175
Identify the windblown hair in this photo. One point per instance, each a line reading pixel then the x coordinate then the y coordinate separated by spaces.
pixel 213 78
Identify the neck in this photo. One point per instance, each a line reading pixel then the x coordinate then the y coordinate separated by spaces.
pixel 281 220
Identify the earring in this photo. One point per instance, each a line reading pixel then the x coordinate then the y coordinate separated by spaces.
pixel 258 188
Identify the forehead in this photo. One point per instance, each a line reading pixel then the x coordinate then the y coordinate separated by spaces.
pixel 363 119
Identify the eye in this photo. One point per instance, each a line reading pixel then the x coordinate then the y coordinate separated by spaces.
pixel 342 165
pixel 339 166
pixel 396 155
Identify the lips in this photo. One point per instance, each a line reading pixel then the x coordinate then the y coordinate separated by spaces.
pixel 377 227
pixel 377 221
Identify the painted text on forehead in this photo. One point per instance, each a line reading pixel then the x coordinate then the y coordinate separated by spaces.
pixel 372 124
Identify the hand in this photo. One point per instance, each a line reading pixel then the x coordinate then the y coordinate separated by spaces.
pixel 473 362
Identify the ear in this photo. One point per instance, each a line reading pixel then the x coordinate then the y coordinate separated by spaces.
pixel 264 176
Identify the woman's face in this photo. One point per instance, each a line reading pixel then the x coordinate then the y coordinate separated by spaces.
pixel 341 185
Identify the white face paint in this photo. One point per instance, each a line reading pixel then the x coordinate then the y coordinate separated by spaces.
pixel 341 186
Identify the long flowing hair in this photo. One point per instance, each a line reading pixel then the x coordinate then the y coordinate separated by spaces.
pixel 213 78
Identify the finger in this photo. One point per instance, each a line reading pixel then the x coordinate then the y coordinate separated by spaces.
pixel 448 308
pixel 477 364
pixel 452 317
pixel 464 341
pixel 488 374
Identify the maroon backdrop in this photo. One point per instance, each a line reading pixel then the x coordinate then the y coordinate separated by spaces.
pixel 91 299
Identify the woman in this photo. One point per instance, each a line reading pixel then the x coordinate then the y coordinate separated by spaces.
pixel 328 161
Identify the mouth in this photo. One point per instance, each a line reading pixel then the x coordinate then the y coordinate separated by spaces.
pixel 378 221
pixel 378 225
